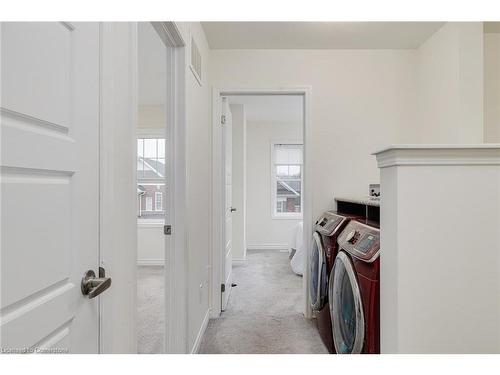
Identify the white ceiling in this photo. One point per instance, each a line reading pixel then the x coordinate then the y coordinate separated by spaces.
pixel 152 66
pixel 492 27
pixel 318 35
pixel 270 108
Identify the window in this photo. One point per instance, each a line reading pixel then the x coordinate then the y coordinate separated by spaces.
pixel 149 204
pixel 159 201
pixel 286 180
pixel 150 178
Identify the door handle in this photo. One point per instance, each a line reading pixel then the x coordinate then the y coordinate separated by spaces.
pixel 233 209
pixel 92 286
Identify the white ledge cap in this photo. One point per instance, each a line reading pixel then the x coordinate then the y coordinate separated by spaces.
pixel 436 154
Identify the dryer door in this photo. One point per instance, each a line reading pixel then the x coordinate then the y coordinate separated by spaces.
pixel 346 307
pixel 317 289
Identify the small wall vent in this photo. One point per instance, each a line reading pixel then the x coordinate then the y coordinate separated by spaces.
pixel 195 64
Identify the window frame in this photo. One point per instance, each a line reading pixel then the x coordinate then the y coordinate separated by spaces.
pixel 151 133
pixel 149 204
pixel 274 180
pixel 158 194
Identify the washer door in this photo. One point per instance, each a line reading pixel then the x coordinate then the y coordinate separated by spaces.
pixel 317 289
pixel 346 307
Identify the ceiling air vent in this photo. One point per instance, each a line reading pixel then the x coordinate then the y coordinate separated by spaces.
pixel 195 60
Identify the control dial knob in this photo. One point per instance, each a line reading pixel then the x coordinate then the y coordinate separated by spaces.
pixel 352 237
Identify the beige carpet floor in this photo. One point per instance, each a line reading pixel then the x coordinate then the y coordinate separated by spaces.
pixel 264 311
pixel 150 309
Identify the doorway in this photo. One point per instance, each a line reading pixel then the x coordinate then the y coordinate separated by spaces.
pixel 152 189
pixel 160 172
pixel 266 194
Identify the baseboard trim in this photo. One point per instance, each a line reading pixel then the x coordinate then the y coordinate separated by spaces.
pixel 268 247
pixel 213 314
pixel 196 346
pixel 150 262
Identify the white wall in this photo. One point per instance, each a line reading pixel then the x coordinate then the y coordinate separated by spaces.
pixel 439 272
pixel 151 117
pixel 492 88
pixel 198 179
pixel 239 178
pixel 150 244
pixel 262 231
pixel 450 85
pixel 361 100
pixel 365 99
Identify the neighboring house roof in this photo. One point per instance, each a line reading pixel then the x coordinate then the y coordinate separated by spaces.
pixel 150 168
pixel 288 189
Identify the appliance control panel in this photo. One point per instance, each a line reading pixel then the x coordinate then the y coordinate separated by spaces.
pixel 360 240
pixel 328 223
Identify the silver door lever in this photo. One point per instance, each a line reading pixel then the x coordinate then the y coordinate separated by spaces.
pixel 92 286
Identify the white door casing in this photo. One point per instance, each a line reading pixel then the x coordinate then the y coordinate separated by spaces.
pixel 50 185
pixel 176 291
pixel 227 266
pixel 218 188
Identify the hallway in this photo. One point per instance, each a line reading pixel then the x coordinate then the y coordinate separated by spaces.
pixel 263 314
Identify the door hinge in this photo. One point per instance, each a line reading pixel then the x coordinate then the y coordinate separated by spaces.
pixel 223 119
pixel 222 288
pixel 167 230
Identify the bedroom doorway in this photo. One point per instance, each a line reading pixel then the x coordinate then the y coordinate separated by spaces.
pixel 160 172
pixel 265 193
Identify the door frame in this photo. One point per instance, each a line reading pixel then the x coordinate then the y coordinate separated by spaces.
pixel 175 329
pixel 217 255
pixel 225 137
pixel 118 187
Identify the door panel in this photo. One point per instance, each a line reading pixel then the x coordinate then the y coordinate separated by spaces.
pixel 50 185
pixel 228 219
pixel 39 57
pixel 49 231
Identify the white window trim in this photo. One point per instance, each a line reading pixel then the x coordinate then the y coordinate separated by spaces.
pixel 151 133
pixel 150 223
pixel 287 215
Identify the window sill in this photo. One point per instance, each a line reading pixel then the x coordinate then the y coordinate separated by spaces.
pixel 150 223
pixel 287 217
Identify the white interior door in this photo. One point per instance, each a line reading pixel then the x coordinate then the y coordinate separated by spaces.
pixel 50 185
pixel 227 266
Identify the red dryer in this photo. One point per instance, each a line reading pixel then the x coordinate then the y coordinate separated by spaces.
pixel 324 250
pixel 354 290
